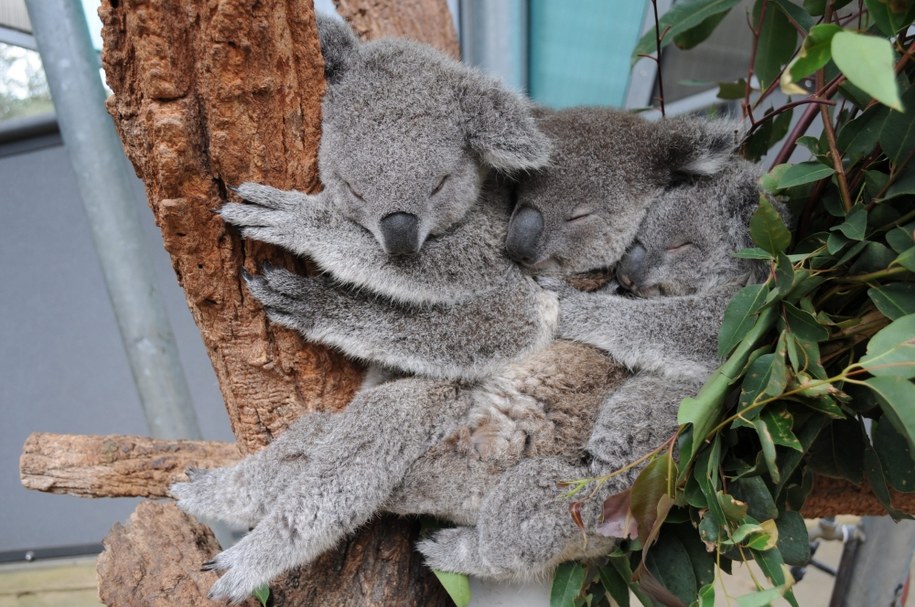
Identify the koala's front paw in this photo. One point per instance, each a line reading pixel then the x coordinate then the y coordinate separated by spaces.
pixel 270 215
pixel 287 297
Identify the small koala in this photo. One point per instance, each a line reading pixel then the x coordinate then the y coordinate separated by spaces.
pixel 486 455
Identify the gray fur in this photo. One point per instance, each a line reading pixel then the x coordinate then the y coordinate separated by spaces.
pixel 487 455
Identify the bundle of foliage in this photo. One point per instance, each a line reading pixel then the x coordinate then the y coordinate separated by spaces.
pixel 819 360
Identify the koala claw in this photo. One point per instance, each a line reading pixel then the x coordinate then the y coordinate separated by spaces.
pixel 240 579
pixel 208 565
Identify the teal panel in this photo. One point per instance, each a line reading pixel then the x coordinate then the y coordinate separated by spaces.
pixel 579 50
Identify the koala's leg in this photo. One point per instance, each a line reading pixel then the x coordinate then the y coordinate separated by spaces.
pixel 674 336
pixel 352 472
pixel 637 417
pixel 243 493
pixel 524 528
pixel 463 341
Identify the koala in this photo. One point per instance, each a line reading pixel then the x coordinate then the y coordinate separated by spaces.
pixel 485 455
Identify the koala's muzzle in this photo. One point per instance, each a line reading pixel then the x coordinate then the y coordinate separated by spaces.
pixel 629 269
pixel 400 232
pixel 524 231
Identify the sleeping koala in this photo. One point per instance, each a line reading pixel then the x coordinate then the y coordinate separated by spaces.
pixel 484 455
pixel 451 304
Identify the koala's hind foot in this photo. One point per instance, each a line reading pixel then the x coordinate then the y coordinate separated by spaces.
pixel 242 494
pixel 524 530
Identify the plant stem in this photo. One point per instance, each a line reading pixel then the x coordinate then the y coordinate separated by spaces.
pixel 747 108
pixel 806 120
pixel 657 38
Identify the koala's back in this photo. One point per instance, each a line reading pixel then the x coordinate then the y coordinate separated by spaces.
pixel 545 406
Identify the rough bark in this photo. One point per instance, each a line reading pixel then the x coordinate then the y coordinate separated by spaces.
pixel 114 466
pixel 131 466
pixel 209 94
pixel 154 560
pixel 428 21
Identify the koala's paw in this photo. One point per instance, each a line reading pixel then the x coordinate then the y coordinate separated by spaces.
pixel 456 550
pixel 240 578
pixel 287 297
pixel 211 494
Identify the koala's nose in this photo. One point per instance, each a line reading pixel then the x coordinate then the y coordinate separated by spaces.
pixel 629 269
pixel 401 233
pixel 524 231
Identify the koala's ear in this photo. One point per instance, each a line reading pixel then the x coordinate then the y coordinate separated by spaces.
pixel 338 44
pixel 699 146
pixel 500 126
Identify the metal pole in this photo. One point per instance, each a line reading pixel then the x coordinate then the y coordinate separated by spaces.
pixel 494 38
pixel 103 177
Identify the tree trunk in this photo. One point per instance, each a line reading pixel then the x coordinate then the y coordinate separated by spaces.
pixel 209 94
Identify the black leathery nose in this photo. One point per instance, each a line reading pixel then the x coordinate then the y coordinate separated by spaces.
pixel 524 231
pixel 629 269
pixel 401 233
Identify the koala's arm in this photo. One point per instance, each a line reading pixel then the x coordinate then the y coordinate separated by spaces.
pixel 347 478
pixel 462 341
pixel 675 336
pixel 446 271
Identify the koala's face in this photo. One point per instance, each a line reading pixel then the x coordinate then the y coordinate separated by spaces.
pixel 409 135
pixel 686 242
pixel 419 184
pixel 582 211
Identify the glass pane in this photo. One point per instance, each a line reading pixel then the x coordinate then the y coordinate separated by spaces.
pixel 23 88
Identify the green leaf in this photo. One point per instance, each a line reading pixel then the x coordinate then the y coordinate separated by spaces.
pixel 780 422
pixel 895 455
pixel 804 325
pixel 896 396
pixel 771 563
pixel 567 583
pixel 262 594
pixel 868 62
pixel 804 172
pixel 768 230
pixel 855 224
pixel 814 54
pixel 897 138
pixel 670 564
pixel 777 41
pixel 906 259
pixel 614 584
pixel 858 137
pixel 904 187
pixel 692 37
pixel 889 15
pixel 874 257
pixel 456 585
pixel 873 469
pixel 894 300
pixel 768 449
pixel 706 597
pixel 793 541
pixel 795 13
pixel 755 492
pixel 818 7
pixel 891 351
pixel 760 598
pixel 753 253
pixel 732 90
pixel 839 451
pixel 739 316
pixel 900 239
pixel 682 17
pixel 754 384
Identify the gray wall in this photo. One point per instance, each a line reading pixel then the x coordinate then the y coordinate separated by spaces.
pixel 62 365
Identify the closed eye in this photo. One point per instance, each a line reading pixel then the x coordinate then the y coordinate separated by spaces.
pixel 580 213
pixel 440 185
pixel 351 190
pixel 683 246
